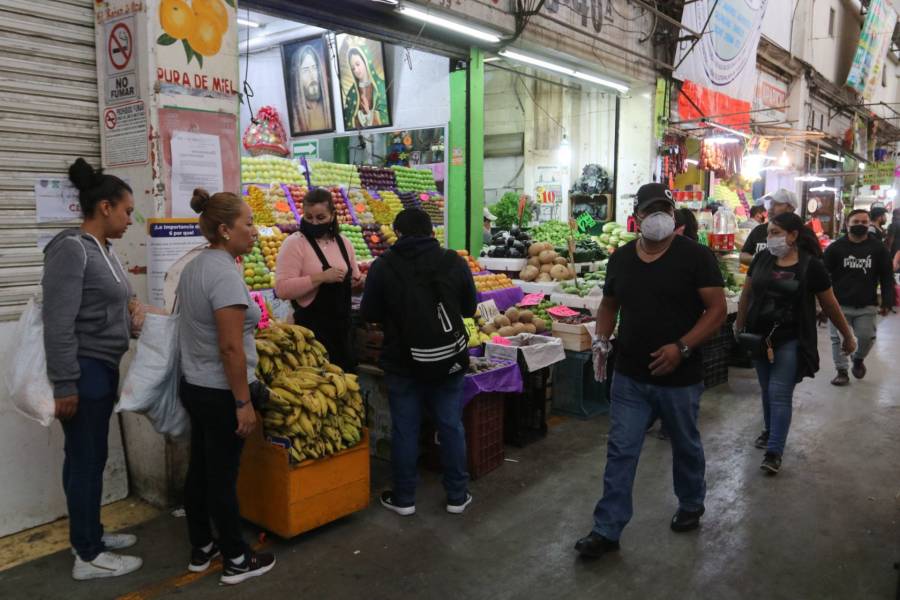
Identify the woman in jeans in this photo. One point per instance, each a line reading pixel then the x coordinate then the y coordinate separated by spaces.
pixel 778 303
pixel 89 315
pixel 218 359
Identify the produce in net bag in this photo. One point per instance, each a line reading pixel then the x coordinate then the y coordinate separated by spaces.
pixel 266 134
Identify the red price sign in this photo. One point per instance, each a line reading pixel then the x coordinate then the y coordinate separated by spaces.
pixel 562 312
pixel 532 299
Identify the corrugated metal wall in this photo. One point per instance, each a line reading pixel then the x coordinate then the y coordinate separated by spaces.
pixel 48 117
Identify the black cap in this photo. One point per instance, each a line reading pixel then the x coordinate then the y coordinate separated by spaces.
pixel 650 193
pixel 878 211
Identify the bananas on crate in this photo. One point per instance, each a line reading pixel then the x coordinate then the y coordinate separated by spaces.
pixel 312 402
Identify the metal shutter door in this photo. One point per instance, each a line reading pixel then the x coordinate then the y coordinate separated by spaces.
pixel 48 117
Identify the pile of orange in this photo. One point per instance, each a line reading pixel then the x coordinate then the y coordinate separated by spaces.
pixel 474 265
pixel 489 283
pixel 270 246
pixel 202 23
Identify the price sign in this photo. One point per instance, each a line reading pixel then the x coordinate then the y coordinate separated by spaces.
pixel 532 299
pixel 562 312
pixel 500 341
pixel 585 221
pixel 266 231
pixel 471 328
pixel 488 310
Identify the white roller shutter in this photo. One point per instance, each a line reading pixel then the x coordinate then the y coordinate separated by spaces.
pixel 48 117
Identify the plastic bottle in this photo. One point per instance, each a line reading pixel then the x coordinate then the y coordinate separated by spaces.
pixel 730 229
pixel 705 228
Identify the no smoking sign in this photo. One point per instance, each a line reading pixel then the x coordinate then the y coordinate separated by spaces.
pixel 122 83
pixel 120 46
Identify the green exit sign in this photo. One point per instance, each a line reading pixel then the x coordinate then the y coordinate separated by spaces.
pixel 306 149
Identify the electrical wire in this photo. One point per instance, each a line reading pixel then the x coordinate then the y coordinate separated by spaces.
pixel 248 89
pixel 536 103
pixel 699 37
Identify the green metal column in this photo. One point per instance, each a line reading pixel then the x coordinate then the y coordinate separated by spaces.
pixel 465 179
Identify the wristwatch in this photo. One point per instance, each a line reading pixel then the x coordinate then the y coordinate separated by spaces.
pixel 684 349
pixel 241 403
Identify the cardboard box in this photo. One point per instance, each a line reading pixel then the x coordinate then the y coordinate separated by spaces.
pixel 574 337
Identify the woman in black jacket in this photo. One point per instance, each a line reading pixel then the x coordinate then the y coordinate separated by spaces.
pixel 778 304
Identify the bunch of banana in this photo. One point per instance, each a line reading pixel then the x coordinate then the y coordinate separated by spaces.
pixel 283 347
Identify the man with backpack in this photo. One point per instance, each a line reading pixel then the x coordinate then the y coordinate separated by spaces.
pixel 419 292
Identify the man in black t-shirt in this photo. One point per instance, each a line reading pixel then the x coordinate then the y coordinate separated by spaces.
pixel 667 292
pixel 781 201
pixel 877 221
pixel 858 264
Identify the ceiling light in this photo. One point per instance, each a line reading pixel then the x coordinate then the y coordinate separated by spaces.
pixel 492 59
pixel 822 188
pixel 247 23
pixel 440 21
pixel 722 139
pixel 784 161
pixel 811 178
pixel 537 62
pixel 565 152
pixel 622 89
pixel 862 166
pixel 728 129
pixel 691 161
pixel 833 157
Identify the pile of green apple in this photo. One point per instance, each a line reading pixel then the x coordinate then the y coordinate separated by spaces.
pixel 326 174
pixel 270 169
pixel 257 275
pixel 414 180
pixel 354 234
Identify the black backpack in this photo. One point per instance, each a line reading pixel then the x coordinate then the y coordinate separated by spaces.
pixel 430 323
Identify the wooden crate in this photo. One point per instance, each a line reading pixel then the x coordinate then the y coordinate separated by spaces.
pixel 576 338
pixel 291 499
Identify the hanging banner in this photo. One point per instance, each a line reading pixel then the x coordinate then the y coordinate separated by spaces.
pixel 724 60
pixel 695 101
pixel 874 42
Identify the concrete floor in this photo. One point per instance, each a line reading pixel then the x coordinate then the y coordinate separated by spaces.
pixel 826 527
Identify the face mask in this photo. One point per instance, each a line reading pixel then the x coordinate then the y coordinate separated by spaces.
pixel 658 226
pixel 316 230
pixel 858 230
pixel 778 246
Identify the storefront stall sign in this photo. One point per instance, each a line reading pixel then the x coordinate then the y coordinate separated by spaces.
pixel 170 239
pixel 585 222
pixel 562 312
pixel 196 54
pixel 125 135
pixel 711 102
pixel 771 93
pixel 879 173
pixel 55 200
pixel 874 42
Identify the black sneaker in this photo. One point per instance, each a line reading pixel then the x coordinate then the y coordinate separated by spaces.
pixel 595 545
pixel 459 508
pixel 842 378
pixel 859 368
pixel 253 565
pixel 771 464
pixel 762 441
pixel 686 520
pixel 387 501
pixel 201 560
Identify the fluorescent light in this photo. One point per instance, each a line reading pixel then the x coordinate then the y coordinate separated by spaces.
pixel 784 161
pixel 537 62
pixel 722 139
pixel 247 23
pixel 434 19
pixel 565 152
pixel 822 188
pixel 728 129
pixel 833 157
pixel 492 59
pixel 622 89
pixel 810 178
pixel 691 161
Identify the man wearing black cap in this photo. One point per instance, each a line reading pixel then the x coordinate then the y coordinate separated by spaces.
pixel 667 291
pixel 878 219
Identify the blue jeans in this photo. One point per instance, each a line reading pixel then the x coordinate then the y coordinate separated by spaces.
pixel 443 401
pixel 86 449
pixel 777 382
pixel 632 403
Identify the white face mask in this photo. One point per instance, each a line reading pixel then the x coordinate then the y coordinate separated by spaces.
pixel 778 246
pixel 658 226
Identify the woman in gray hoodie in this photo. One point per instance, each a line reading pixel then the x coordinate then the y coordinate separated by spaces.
pixel 89 315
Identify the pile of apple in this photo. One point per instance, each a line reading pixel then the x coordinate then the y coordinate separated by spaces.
pixel 373 236
pixel 256 200
pixel 326 174
pixel 381 211
pixel 421 180
pixel 359 199
pixel 257 274
pixel 354 234
pixel 270 245
pixel 377 178
pixel 271 169
pixel 410 199
pixel 393 202
pixel 434 206
pixel 298 193
pixel 276 198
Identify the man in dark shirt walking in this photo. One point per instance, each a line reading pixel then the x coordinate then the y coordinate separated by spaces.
pixel 781 201
pixel 877 221
pixel 667 291
pixel 858 263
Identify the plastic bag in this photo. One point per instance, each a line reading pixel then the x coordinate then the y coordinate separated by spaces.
pixel 151 384
pixel 266 134
pixel 600 348
pixel 25 375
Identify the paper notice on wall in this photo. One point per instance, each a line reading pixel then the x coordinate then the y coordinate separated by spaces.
pixel 125 137
pixel 170 239
pixel 55 199
pixel 196 163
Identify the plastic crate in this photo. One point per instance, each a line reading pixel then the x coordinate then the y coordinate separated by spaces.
pixel 483 421
pixel 715 371
pixel 575 391
pixel 525 419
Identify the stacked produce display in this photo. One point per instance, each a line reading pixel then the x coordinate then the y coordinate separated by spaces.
pixel 508 244
pixel 513 322
pixel 256 200
pixel 434 206
pixel 257 274
pixel 545 264
pixel 326 174
pixel 344 216
pixel 393 203
pixel 372 234
pixel 474 266
pixel 414 180
pixel 270 245
pixel 377 178
pixel 489 283
pixel 354 234
pixel 615 236
pixel 313 405
pixel 410 199
pixel 271 169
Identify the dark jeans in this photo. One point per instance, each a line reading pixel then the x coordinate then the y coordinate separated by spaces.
pixel 87 447
pixel 210 490
pixel 777 381
pixel 631 405
pixel 443 401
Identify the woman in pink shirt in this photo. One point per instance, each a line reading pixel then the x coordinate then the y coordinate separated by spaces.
pixel 316 270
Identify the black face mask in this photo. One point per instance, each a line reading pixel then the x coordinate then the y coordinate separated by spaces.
pixel 316 230
pixel 859 230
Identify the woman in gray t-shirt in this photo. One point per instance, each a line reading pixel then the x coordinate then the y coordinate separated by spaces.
pixel 218 361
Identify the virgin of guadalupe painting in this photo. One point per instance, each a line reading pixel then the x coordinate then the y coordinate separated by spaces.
pixel 363 91
pixel 307 82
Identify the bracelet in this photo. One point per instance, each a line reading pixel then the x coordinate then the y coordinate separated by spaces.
pixel 241 403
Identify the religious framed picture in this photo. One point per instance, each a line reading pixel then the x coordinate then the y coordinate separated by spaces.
pixel 307 83
pixel 361 69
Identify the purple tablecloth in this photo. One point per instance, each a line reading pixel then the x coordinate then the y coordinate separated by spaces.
pixel 504 299
pixel 507 378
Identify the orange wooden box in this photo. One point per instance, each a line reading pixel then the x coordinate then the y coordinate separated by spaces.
pixel 290 499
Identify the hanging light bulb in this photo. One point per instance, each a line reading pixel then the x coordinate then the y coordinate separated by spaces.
pixel 784 161
pixel 565 152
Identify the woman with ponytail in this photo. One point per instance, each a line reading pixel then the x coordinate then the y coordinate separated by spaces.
pixel 89 314
pixel 317 271
pixel 777 322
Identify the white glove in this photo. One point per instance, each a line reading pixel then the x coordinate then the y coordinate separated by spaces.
pixel 600 347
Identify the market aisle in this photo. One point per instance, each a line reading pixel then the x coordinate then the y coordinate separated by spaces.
pixel 826 527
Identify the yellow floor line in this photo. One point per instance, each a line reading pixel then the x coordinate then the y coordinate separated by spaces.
pixel 31 544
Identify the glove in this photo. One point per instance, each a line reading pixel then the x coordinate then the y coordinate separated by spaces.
pixel 600 347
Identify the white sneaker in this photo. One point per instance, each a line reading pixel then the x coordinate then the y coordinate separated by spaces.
pixel 116 541
pixel 458 509
pixel 106 564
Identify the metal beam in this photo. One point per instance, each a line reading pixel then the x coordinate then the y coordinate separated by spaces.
pixel 734 114
pixel 665 17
